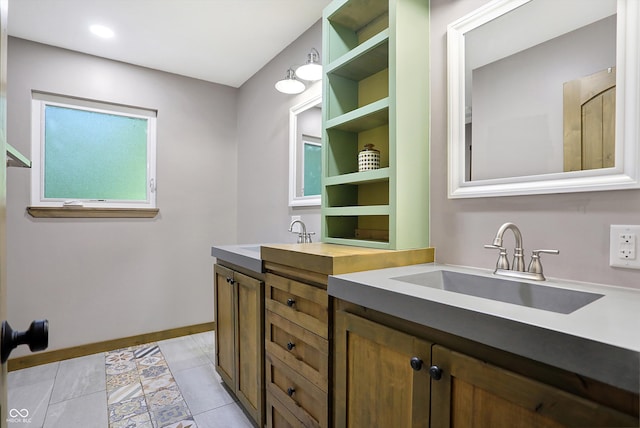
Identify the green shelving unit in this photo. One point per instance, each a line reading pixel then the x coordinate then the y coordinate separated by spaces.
pixel 376 91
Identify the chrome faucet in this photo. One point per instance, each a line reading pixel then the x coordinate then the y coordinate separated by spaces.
pixel 304 237
pixel 517 270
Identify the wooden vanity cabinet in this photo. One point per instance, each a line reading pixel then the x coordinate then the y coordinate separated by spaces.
pixel 297 349
pixel 239 307
pixel 299 325
pixel 377 384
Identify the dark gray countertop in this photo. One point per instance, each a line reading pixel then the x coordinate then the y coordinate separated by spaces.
pixel 246 256
pixel 600 340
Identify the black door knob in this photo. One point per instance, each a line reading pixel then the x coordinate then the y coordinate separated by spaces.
pixel 416 363
pixel 290 391
pixel 37 337
pixel 435 372
pixel 290 345
pixel 290 302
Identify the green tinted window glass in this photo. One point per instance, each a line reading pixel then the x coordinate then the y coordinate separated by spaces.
pixel 94 155
pixel 312 168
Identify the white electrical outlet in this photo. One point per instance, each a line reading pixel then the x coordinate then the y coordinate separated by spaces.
pixel 623 246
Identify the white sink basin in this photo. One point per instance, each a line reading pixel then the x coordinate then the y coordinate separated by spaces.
pixel 504 290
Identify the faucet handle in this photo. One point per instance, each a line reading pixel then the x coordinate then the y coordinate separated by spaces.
pixel 503 262
pixel 536 266
pixel 537 252
pixel 493 247
pixel 307 237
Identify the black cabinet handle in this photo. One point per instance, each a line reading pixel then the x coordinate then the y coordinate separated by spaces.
pixel 290 302
pixel 416 363
pixel 230 280
pixel 290 345
pixel 435 372
pixel 290 391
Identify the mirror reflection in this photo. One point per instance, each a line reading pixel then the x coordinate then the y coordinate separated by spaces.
pixel 305 151
pixel 540 90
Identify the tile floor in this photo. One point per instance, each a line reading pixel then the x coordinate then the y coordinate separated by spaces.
pixel 168 384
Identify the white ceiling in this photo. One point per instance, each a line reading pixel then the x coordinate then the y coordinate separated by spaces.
pixel 221 41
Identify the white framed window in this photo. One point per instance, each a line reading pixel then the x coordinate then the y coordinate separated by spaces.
pixel 311 165
pixel 91 154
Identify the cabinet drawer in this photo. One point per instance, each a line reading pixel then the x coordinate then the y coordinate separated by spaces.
pixel 298 302
pixel 300 397
pixel 306 353
pixel 278 416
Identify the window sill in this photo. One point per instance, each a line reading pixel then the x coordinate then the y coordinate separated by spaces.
pixel 78 212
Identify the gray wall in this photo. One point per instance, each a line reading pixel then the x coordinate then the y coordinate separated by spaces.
pixel 263 149
pixel 100 279
pixel 576 224
pixel 222 179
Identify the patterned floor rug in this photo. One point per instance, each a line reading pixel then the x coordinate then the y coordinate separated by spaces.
pixel 142 392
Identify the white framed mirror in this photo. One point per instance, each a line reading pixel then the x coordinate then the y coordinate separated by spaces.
pixel 517 123
pixel 305 157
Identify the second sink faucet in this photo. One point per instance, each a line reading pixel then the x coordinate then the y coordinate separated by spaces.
pixel 517 268
pixel 518 258
pixel 303 236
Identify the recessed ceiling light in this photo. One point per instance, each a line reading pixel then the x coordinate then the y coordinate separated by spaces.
pixel 102 31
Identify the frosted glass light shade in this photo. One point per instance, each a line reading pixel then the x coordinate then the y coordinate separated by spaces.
pixel 311 71
pixel 290 85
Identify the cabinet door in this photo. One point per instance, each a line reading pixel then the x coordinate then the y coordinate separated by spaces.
pixel 375 383
pixel 472 393
pixel 250 344
pixel 225 324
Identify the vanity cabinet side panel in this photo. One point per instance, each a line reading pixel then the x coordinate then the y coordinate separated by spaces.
pixel 225 324
pixel 375 384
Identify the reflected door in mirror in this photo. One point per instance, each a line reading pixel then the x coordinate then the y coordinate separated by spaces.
pixel 589 121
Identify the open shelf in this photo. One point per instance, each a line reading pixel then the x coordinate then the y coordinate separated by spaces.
pixel 358 210
pixel 368 79
pixel 369 58
pixel 16 159
pixel 342 148
pixel 369 243
pixel 363 118
pixel 363 228
pixel 381 174
pixel 353 23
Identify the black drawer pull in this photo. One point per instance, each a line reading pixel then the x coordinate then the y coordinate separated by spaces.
pixel 435 372
pixel 416 363
pixel 290 302
pixel 290 345
pixel 290 391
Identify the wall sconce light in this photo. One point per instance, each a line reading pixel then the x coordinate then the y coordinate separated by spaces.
pixel 312 70
pixel 290 85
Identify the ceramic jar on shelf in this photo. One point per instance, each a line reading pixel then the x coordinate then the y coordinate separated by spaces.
pixel 369 158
